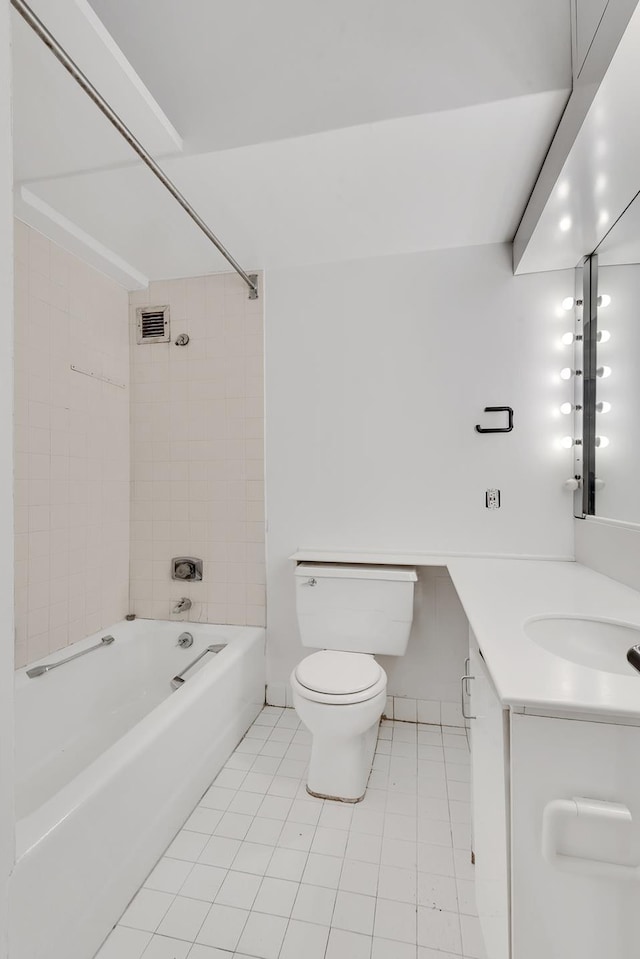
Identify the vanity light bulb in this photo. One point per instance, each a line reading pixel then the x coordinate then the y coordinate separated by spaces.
pixel 566 442
pixel 565 223
pixel 603 371
pixel 604 300
pixel 567 303
pixel 566 408
pixel 567 339
pixel 566 373
pixel 603 407
pixel 604 336
pixel 602 441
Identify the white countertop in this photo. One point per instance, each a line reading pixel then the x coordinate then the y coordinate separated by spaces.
pixel 500 595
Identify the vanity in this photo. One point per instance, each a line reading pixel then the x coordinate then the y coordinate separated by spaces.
pixel 554 712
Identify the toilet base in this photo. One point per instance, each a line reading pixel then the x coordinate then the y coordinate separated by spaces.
pixel 335 798
pixel 340 765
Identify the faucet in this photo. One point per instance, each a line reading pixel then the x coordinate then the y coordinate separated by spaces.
pixel 183 605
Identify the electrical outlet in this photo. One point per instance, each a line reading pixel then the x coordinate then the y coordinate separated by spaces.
pixel 492 499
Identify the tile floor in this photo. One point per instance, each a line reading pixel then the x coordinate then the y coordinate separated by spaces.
pixel 262 869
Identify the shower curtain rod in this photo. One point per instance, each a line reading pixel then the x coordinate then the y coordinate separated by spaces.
pixel 71 66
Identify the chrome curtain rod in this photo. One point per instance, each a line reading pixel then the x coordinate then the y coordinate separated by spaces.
pixel 71 67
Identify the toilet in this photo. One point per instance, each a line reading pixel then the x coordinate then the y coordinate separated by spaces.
pixel 348 613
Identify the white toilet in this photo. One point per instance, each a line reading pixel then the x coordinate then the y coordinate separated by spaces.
pixel 348 613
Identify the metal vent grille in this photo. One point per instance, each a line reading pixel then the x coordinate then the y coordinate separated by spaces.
pixel 153 324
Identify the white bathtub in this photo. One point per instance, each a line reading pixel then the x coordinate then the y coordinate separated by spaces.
pixel 110 761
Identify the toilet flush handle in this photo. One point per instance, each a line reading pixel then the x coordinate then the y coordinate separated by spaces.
pixel 310 582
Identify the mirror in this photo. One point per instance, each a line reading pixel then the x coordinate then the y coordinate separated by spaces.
pixel 611 427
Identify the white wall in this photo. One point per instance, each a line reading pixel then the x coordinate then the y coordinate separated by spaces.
pixel 376 373
pixel 6 477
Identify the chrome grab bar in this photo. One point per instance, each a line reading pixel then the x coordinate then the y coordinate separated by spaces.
pixel 41 670
pixel 177 681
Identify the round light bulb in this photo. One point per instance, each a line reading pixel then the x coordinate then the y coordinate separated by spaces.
pixel 603 407
pixel 566 373
pixel 567 303
pixel 567 339
pixel 602 441
pixel 566 408
pixel 566 442
pixel 603 371
pixel 565 223
pixel 604 300
pixel 604 336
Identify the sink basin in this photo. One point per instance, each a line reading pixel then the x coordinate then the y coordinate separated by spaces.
pixel 595 643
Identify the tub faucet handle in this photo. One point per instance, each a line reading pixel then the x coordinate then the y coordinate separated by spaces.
pixel 183 605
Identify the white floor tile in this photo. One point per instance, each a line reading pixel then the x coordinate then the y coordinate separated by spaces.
pixel 425 953
pixel 169 875
pixel 296 835
pixel 467 897
pixel 253 857
pixel 435 859
pixel 367 820
pixel 429 808
pixel 246 803
pixel 305 812
pixel 187 845
pixel 147 910
pixel 204 820
pixel 395 920
pixel 314 904
pixel 287 864
pixel 348 945
pixel 219 851
pixel 222 927
pixel 210 952
pixel 262 936
pixel 399 852
pixel 354 912
pixel 304 940
pixel 257 782
pixel 230 778
pixel 322 870
pixel 329 842
pixel 233 825
pixel 436 832
pixel 239 889
pixel 124 943
pixel 439 930
pixel 265 831
pixel 359 877
pixel 203 882
pixel 275 807
pixel 400 827
pixel 437 892
pixel 217 798
pixel 397 884
pixel 265 764
pixel 387 949
pixel 364 847
pixel 336 815
pixel 184 918
pixel 162 947
pixel 284 786
pixel 276 896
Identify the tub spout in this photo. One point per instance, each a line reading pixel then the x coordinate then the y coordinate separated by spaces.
pixel 182 605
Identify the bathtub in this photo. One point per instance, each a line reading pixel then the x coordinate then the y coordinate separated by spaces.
pixel 110 760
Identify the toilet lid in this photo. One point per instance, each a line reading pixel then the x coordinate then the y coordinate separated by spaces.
pixel 338 673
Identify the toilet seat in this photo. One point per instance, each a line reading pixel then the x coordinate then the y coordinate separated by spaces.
pixel 339 678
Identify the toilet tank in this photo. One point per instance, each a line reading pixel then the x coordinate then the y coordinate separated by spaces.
pixel 358 608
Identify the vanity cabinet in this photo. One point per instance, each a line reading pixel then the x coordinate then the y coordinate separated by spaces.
pixel 555 877
pixel 489 793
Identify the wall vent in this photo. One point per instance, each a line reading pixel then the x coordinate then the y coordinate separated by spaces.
pixel 153 324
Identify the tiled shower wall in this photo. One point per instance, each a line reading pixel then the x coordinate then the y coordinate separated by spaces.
pixel 72 448
pixel 198 452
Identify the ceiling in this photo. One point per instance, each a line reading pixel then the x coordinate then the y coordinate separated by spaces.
pixel 301 131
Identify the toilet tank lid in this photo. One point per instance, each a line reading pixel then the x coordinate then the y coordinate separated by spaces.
pixel 356 571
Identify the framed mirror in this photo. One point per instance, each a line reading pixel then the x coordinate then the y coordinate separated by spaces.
pixel 610 379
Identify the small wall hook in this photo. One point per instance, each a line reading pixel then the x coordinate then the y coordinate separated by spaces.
pixel 501 429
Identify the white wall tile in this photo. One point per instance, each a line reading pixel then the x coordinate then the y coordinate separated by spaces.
pixel 72 492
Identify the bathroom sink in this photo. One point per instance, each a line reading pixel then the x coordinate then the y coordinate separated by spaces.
pixel 595 643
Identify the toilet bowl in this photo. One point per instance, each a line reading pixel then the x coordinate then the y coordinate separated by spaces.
pixel 348 612
pixel 340 697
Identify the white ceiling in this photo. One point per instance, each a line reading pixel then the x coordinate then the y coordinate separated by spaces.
pixel 234 72
pixel 312 131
